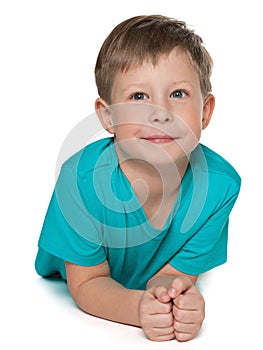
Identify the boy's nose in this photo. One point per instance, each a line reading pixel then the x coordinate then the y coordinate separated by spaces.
pixel 161 116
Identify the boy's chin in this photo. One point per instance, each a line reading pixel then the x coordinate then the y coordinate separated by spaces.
pixel 155 154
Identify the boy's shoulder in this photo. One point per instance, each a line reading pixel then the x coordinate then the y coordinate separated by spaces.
pixel 95 155
pixel 219 166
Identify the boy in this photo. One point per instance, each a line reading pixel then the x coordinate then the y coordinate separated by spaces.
pixel 134 219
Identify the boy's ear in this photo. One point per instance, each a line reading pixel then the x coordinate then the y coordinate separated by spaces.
pixel 104 114
pixel 208 108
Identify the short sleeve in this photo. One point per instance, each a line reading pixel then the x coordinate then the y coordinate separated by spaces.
pixel 69 232
pixel 207 247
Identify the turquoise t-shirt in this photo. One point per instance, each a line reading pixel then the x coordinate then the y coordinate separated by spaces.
pixel 94 215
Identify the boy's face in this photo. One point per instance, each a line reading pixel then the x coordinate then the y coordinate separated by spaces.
pixel 158 111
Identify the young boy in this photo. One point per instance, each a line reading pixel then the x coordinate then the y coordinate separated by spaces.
pixel 135 218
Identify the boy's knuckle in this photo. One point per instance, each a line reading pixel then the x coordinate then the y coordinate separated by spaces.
pixel 170 320
pixel 177 325
pixel 179 302
pixel 150 334
pixel 166 308
pixel 183 336
pixel 163 308
pixel 177 315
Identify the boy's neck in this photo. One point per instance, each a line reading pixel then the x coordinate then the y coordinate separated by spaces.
pixel 157 178
pixel 155 189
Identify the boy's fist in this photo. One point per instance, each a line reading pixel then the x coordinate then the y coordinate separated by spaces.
pixel 155 312
pixel 176 312
pixel 188 308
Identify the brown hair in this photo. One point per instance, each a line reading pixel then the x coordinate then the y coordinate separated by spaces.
pixel 146 38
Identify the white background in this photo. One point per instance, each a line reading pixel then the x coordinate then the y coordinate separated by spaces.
pixel 48 52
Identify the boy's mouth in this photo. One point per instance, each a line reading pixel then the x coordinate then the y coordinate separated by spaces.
pixel 159 139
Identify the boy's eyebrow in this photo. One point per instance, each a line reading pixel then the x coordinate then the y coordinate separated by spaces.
pixel 141 84
pixel 130 85
pixel 182 82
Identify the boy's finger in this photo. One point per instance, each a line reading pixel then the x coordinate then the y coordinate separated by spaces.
pixel 189 302
pixel 161 294
pixel 179 285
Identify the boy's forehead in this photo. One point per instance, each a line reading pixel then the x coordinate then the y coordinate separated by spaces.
pixel 177 61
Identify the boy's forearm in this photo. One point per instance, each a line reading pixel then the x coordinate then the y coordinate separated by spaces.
pixel 103 297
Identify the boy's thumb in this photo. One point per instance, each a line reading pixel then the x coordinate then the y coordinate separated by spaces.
pixel 161 294
pixel 179 285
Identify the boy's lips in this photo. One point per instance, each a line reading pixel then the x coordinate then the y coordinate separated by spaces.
pixel 159 138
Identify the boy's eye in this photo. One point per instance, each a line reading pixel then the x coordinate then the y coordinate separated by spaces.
pixel 138 96
pixel 178 94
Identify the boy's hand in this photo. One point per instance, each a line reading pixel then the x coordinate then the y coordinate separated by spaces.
pixel 188 308
pixel 155 312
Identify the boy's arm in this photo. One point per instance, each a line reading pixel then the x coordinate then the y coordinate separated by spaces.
pixel 96 293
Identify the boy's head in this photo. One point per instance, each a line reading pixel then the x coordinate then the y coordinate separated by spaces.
pixel 145 39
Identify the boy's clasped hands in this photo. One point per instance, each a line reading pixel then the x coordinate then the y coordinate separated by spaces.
pixel 174 312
